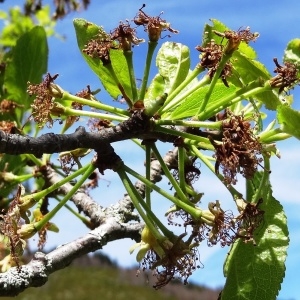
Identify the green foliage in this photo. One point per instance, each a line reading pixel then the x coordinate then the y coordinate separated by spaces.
pixel 223 96
pixel 28 63
pixel 257 272
pixel 17 24
pixel 289 120
pixel 173 63
pixel 85 31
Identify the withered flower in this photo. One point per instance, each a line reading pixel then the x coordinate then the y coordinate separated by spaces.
pixel 236 37
pixel 10 223
pixel 44 103
pixel 98 49
pixel 126 36
pixel 223 228
pixel 238 151
pixel 153 25
pixel 210 54
pixel 100 46
pixel 210 58
pixel 8 106
pixel 249 220
pixel 287 76
pixel 95 124
pixel 167 260
pixel 8 127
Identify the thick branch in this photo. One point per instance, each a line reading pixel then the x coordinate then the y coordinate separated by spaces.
pixel 138 126
pixel 36 272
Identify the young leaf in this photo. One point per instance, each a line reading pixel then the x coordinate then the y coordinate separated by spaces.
pixel 190 105
pixel 86 31
pixel 292 52
pixel 173 62
pixel 256 272
pixel 29 63
pixel 249 69
pixel 156 89
pixel 289 120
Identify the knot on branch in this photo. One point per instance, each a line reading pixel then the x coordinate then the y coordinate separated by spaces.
pixel 139 122
pixel 106 158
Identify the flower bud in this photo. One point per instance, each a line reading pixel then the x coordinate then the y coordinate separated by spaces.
pixel 27 231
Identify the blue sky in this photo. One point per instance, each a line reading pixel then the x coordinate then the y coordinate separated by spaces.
pixel 277 22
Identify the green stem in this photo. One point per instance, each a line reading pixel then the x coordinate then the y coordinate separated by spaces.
pixel 168 174
pixel 214 80
pixel 94 103
pixel 186 135
pixel 75 112
pixel 235 194
pixel 128 56
pixel 273 135
pixel 151 48
pixel 119 85
pixel 38 195
pixel 204 124
pixel 201 145
pixel 76 214
pixel 153 106
pixel 148 173
pixel 188 207
pixel 35 160
pixel 251 90
pixel 181 169
pixel 170 103
pixel 264 181
pixel 137 201
pixel 88 171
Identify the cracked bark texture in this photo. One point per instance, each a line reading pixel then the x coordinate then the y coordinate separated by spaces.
pixel 115 222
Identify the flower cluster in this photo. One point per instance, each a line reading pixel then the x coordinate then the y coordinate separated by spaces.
pixel 219 226
pixel 153 25
pixel 124 36
pixel 238 151
pixel 43 105
pixel 167 259
pixel 287 76
pixel 175 257
pixel 236 37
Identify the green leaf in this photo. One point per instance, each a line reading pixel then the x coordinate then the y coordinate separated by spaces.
pixel 289 120
pixel 14 164
pixel 256 272
pixel 156 89
pixel 292 52
pixel 248 70
pixel 28 63
pixel 173 62
pixel 190 106
pixel 85 31
pixel 244 63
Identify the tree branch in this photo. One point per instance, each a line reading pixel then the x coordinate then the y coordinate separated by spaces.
pixel 36 272
pixel 138 126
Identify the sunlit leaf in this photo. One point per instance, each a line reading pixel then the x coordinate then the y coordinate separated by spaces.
pixel 289 120
pixel 156 89
pixel 191 104
pixel 292 52
pixel 173 62
pixel 85 31
pixel 29 63
pixel 256 272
